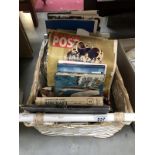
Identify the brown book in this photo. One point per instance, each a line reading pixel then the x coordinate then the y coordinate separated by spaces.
pixel 69 101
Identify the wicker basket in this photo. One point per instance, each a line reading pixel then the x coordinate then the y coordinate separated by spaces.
pixel 102 129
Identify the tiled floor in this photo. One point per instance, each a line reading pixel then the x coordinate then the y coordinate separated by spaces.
pixel 31 142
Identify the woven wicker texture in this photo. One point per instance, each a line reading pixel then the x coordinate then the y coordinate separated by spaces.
pixel 100 129
pixel 103 130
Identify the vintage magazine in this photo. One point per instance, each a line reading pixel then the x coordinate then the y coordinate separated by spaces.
pixel 90 49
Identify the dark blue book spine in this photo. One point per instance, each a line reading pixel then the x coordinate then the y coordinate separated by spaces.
pixel 70 24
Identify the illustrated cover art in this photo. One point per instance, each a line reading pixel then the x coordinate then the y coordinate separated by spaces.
pixel 68 84
pixel 84 52
pixel 89 49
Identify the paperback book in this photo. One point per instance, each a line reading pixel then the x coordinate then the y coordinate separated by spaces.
pixel 74 84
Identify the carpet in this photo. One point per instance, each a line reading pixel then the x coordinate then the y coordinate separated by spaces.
pixel 58 5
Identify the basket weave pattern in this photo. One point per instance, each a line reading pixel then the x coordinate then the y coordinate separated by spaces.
pixel 100 129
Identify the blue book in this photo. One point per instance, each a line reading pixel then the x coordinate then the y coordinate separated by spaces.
pixel 73 84
pixel 81 67
pixel 71 24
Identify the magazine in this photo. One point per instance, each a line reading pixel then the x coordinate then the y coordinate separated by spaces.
pixel 88 49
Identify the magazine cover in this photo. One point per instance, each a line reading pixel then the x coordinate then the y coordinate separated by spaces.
pixel 72 84
pixel 72 47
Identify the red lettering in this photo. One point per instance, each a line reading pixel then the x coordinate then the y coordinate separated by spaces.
pixel 64 40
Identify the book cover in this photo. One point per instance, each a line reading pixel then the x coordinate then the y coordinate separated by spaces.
pixel 68 84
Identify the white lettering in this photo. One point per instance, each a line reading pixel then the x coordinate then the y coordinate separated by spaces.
pixel 63 42
pixel 70 43
pixel 55 40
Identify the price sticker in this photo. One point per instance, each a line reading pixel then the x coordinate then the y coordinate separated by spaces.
pixel 101 119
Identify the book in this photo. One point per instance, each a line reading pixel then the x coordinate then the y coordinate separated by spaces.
pixel 75 16
pixel 72 24
pixel 70 110
pixel 73 84
pixel 77 12
pixel 69 101
pixel 76 92
pixel 81 67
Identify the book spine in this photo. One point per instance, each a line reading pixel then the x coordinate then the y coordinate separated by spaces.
pixel 93 110
pixel 69 101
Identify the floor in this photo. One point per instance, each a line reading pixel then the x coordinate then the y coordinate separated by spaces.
pixel 31 142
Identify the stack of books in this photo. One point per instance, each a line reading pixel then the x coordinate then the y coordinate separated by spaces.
pixel 79 68
pixel 77 84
